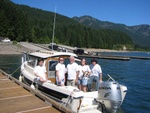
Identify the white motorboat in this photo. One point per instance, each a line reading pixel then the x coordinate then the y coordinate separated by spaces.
pixel 107 99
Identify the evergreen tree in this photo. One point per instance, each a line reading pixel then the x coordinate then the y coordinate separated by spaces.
pixel 22 23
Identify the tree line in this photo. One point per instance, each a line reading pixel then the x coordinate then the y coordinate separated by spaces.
pixel 22 23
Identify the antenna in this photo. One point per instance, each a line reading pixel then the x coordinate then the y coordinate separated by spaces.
pixel 54 28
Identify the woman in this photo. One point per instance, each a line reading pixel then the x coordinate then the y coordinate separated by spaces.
pixel 84 72
pixel 60 72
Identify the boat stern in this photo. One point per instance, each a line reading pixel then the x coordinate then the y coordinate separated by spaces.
pixel 110 96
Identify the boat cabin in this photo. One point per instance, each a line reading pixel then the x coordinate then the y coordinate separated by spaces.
pixel 50 60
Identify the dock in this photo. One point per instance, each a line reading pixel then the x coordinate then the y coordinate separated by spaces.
pixel 140 57
pixel 34 46
pixel 124 58
pixel 106 57
pixel 17 97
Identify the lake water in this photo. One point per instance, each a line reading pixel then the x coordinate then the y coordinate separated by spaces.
pixel 135 74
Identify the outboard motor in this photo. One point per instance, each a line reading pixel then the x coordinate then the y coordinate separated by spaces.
pixel 109 95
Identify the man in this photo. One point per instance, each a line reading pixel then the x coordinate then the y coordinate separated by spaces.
pixel 72 69
pixel 40 71
pixel 60 72
pixel 96 74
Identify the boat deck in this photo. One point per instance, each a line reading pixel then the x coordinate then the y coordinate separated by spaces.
pixel 16 99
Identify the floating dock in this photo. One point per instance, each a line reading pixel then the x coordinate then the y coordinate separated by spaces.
pixel 16 97
pixel 109 57
pixel 140 57
pixel 124 58
pixel 106 57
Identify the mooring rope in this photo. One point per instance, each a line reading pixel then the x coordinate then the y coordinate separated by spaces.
pixel 66 100
pixel 15 70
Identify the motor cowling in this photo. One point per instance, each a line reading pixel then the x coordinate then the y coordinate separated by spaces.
pixel 109 94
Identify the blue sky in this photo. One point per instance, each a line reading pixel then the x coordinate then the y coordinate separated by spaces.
pixel 129 12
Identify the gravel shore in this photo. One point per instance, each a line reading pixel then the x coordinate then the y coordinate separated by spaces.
pixel 9 48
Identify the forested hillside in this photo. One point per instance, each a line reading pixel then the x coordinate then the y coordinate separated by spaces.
pixel 14 23
pixel 140 34
pixel 23 23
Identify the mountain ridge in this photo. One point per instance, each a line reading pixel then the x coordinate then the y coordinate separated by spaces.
pixel 140 34
pixel 24 23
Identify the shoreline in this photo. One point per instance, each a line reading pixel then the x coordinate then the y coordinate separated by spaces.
pixel 12 49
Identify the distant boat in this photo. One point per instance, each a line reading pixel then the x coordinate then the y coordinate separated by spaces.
pixel 107 99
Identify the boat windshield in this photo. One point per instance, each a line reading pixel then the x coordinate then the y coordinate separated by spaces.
pixel 52 65
pixel 32 61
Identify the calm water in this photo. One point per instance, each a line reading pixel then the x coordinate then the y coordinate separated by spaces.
pixel 9 63
pixel 135 74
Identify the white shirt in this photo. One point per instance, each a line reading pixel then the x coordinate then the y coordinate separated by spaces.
pixel 95 70
pixel 72 69
pixel 83 68
pixel 40 71
pixel 61 70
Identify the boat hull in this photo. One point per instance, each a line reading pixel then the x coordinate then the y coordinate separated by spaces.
pixel 45 90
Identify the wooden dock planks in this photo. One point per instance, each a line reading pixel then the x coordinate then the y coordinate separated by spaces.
pixel 14 98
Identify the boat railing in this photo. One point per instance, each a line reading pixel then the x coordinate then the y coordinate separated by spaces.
pixel 110 78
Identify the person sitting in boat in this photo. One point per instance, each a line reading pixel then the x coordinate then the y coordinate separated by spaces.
pixel 84 72
pixel 40 71
pixel 60 72
pixel 96 74
pixel 72 69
